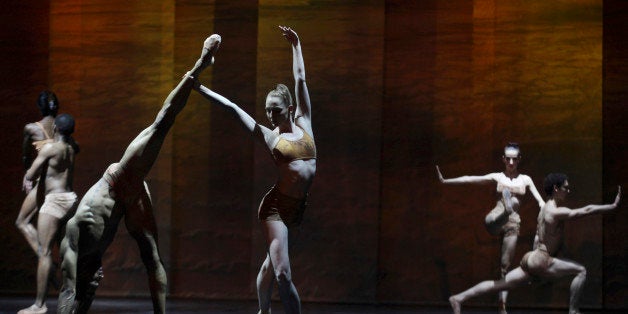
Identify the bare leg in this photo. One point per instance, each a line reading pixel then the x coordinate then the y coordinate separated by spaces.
pixel 575 290
pixel 560 268
pixel 513 279
pixel 265 281
pixel 24 218
pixel 141 224
pixel 509 244
pixel 47 227
pixel 496 219
pixel 277 235
pixel 141 154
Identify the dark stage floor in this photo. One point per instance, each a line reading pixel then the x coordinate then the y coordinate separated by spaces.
pixel 110 306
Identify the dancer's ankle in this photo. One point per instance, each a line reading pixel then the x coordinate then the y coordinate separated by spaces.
pixel 507 198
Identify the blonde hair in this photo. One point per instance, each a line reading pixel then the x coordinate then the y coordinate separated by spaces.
pixel 282 92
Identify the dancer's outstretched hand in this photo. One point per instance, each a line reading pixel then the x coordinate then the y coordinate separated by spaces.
pixel 27 185
pixel 290 35
pixel 440 175
pixel 618 197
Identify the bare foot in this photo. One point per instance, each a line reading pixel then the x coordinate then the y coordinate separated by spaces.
pixel 506 196
pixel 210 47
pixel 455 305
pixel 212 43
pixel 34 309
pixel 502 308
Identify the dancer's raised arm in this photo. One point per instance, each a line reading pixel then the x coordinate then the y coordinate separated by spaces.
pixel 303 106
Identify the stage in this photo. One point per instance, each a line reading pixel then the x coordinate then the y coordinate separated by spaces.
pixel 186 306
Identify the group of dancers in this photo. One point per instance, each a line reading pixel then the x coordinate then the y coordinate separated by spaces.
pixel 122 193
pixel 504 220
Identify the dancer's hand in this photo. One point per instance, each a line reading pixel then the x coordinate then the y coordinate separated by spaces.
pixel 440 175
pixel 27 185
pixel 197 85
pixel 195 82
pixel 290 35
pixel 618 197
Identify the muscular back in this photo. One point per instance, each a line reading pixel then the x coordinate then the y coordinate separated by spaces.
pixel 33 133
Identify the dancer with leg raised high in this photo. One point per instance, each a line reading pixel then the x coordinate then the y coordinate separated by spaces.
pixel 122 192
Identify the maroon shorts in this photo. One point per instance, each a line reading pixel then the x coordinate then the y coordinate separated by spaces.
pixel 276 206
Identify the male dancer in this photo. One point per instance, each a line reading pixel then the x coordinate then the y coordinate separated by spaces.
pixel 541 262
pixel 122 192
pixel 55 164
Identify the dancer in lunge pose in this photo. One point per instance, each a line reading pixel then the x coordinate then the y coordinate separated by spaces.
pixel 122 192
pixel 541 262
pixel 504 219
pixel 291 144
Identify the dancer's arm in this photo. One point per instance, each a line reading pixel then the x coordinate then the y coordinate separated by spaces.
pixel 27 147
pixel 34 171
pixel 563 213
pixel 259 132
pixel 466 179
pixel 303 105
pixel 534 191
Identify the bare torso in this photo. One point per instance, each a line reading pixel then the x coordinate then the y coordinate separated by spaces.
pixel 550 229
pixel 58 175
pixel 295 177
pixel 101 209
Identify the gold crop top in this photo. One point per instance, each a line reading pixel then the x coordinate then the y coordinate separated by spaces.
pixel 39 144
pixel 303 148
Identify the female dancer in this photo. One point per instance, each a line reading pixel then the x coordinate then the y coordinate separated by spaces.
pixel 36 134
pixel 291 144
pixel 504 218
